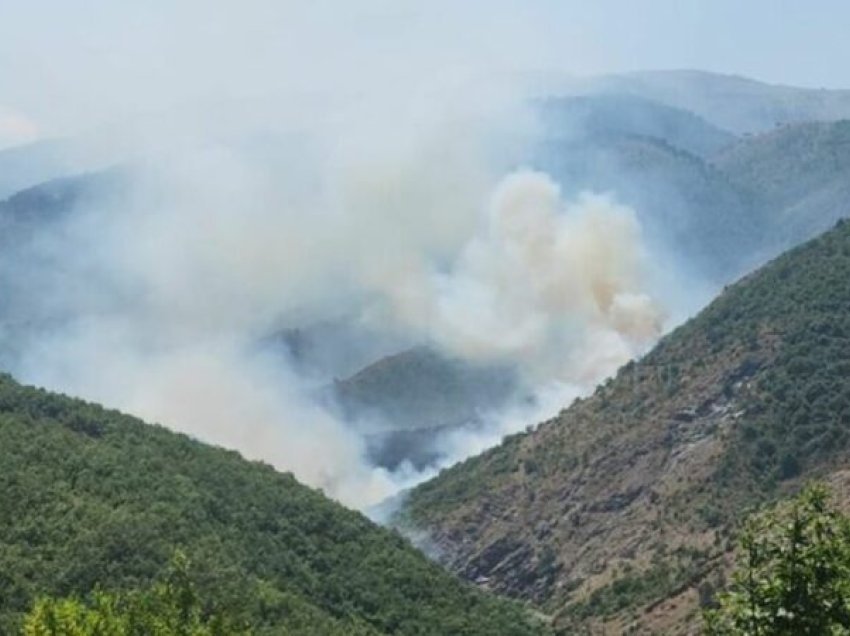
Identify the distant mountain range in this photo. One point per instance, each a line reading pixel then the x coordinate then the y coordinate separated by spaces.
pixel 800 174
pixel 737 104
pixel 727 202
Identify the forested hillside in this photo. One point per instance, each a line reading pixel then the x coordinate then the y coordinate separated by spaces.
pixel 90 498
pixel 621 510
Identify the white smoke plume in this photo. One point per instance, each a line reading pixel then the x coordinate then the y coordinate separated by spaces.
pixel 207 257
pixel 377 186
pixel 559 288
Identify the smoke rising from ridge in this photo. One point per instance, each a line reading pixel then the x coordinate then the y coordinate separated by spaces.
pixel 538 274
pixel 206 256
pixel 397 203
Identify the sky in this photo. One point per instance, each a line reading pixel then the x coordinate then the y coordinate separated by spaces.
pixel 67 66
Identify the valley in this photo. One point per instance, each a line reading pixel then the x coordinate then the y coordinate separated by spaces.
pixel 411 381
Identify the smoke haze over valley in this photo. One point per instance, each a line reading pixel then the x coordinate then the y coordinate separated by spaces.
pixel 362 259
pixel 158 290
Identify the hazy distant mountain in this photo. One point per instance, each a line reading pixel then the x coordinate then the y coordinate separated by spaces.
pixel 26 166
pixel 590 116
pixel 404 400
pixel 727 204
pixel 732 103
pixel 327 350
pixel 801 173
pixel 56 199
pixel 34 250
pixel 688 209
pixel 612 515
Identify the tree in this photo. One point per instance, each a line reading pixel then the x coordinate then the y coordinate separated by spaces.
pixel 170 607
pixel 793 576
pixel 71 617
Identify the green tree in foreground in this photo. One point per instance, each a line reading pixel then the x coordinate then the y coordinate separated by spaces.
pixel 794 574
pixel 169 608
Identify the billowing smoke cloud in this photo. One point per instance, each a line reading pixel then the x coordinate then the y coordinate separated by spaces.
pixel 393 203
pixel 559 288
pixel 172 289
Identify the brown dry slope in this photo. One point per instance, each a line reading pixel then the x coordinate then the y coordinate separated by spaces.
pixel 618 514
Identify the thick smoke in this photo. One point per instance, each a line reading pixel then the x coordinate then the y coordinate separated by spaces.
pixel 559 288
pixel 211 251
pixel 370 194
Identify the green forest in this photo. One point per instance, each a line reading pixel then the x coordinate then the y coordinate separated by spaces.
pixel 94 506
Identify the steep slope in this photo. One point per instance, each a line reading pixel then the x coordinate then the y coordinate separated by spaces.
pixel 619 511
pixel 90 497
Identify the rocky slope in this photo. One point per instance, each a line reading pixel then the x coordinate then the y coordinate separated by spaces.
pixel 617 514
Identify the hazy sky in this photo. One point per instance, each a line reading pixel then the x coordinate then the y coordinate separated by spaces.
pixel 71 65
